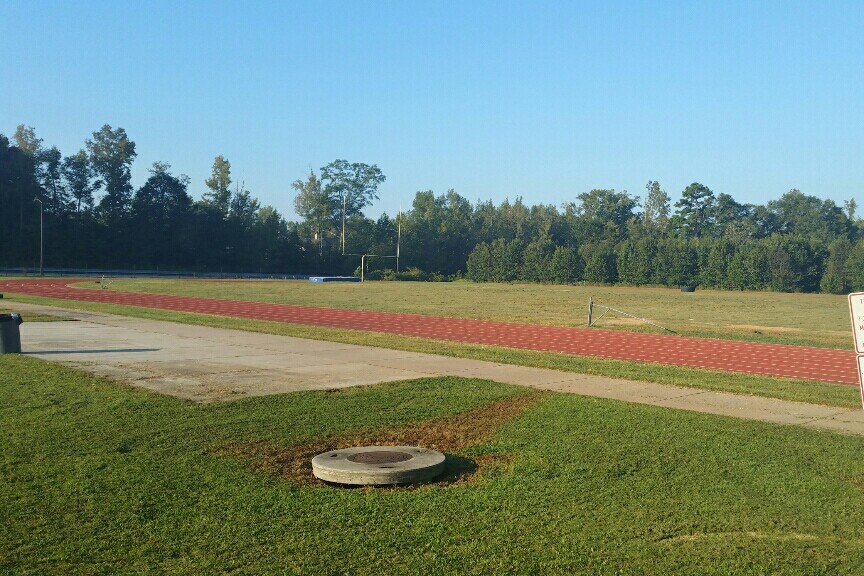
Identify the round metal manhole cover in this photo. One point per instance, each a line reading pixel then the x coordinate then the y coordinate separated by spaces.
pixel 378 465
pixel 379 457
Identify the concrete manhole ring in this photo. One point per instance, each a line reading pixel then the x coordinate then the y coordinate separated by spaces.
pixel 378 465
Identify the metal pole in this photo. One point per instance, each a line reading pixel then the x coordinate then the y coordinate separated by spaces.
pixel 363 268
pixel 590 309
pixel 41 238
pixel 343 223
pixel 398 237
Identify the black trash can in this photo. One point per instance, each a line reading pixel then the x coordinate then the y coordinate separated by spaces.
pixel 10 336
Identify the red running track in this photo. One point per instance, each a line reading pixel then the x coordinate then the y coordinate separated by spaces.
pixel 826 365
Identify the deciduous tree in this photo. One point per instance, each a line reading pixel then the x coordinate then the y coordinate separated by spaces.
pixel 79 176
pixel 161 209
pixel 809 216
pixel 603 214
pixel 350 187
pixel 58 198
pixel 655 210
pixel 27 142
pixel 219 186
pixel 313 205
pixel 111 154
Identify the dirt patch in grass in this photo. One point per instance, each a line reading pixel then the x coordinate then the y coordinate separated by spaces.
pixel 763 329
pixel 619 322
pixel 450 435
pixel 855 480
pixel 749 534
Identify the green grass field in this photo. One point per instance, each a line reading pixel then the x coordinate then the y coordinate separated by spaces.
pixel 804 319
pixel 99 478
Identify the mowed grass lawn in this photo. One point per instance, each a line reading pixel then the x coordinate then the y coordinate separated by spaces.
pixel 100 478
pixel 804 319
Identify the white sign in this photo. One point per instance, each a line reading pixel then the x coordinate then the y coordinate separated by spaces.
pixel 856 310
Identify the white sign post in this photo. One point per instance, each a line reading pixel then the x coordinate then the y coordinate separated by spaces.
pixel 856 311
pixel 860 378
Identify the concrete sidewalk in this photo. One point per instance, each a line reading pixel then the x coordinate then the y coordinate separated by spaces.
pixel 210 364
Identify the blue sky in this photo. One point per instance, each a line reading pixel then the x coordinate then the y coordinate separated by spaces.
pixel 494 99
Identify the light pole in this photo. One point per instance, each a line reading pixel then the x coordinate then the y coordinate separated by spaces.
pixel 41 237
pixel 343 222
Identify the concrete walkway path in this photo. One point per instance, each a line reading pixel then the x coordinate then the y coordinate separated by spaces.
pixel 210 364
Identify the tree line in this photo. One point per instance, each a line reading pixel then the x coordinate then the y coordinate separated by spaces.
pixel 795 243
pixel 93 218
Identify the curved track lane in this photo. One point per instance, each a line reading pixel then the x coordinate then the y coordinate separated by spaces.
pixel 826 365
